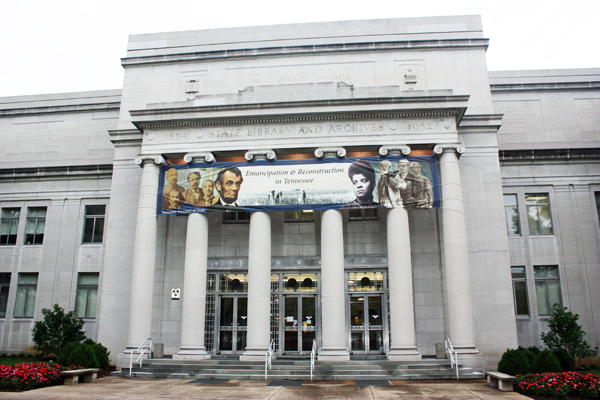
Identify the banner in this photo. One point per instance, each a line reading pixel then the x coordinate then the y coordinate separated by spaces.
pixel 347 183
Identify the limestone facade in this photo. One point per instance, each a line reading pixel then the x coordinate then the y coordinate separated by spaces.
pixel 339 89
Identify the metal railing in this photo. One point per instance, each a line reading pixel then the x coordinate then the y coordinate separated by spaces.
pixel 269 357
pixel 453 355
pixel 141 350
pixel 313 356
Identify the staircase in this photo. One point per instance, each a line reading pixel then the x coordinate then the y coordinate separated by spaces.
pixel 299 369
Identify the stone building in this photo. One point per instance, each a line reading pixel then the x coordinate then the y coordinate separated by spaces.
pixel 517 231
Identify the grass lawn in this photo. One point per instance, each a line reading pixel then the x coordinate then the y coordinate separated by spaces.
pixel 18 360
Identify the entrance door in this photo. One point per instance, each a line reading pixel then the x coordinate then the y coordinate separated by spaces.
pixel 366 323
pixel 233 322
pixel 299 324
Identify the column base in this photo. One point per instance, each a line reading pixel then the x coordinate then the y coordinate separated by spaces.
pixel 408 354
pixel 254 354
pixel 191 353
pixel 334 355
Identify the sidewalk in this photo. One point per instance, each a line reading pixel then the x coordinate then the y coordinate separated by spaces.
pixel 142 389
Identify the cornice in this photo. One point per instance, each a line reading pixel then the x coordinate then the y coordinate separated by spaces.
pixel 19 112
pixel 534 87
pixel 98 170
pixel 283 51
pixel 125 137
pixel 204 115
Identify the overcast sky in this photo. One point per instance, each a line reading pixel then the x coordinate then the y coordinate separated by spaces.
pixel 66 46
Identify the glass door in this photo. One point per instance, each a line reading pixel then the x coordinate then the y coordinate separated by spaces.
pixel 366 323
pixel 299 324
pixel 233 322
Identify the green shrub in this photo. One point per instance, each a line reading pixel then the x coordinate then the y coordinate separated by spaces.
pixel 64 358
pixel 85 356
pixel 514 362
pixel 535 350
pixel 563 359
pixel 529 355
pixel 546 362
pixel 56 330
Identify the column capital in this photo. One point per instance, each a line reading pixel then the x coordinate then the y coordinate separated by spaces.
pixel 394 150
pixel 457 147
pixel 201 157
pixel 156 158
pixel 323 152
pixel 253 155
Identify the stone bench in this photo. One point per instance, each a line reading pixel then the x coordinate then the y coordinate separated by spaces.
pixel 72 377
pixel 502 381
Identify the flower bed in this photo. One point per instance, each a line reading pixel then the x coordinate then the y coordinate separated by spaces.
pixel 31 376
pixel 561 384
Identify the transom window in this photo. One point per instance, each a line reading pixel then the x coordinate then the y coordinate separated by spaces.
pixel 9 226
pixel 93 229
pixel 299 216
pixel 34 229
pixel 365 281
pixel 236 217
pixel 363 214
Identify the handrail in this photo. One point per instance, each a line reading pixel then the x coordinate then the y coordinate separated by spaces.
pixel 313 355
pixel 142 350
pixel 269 357
pixel 453 355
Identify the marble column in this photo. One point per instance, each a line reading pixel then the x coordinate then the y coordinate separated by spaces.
pixel 144 253
pixel 456 256
pixel 259 288
pixel 402 313
pixel 333 284
pixel 194 290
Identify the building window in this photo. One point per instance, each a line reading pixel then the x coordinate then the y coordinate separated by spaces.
pixel 34 229
pixel 512 214
pixel 26 290
pixel 538 214
pixel 520 291
pixel 4 285
pixel 9 225
pixel 87 295
pixel 94 224
pixel 299 216
pixel 547 287
pixel 363 214
pixel 236 217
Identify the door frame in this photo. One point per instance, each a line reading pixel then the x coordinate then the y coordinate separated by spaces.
pixel 316 318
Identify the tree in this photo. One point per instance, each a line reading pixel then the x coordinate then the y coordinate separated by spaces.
pixel 566 336
pixel 56 330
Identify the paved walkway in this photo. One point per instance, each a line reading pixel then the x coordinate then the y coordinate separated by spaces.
pixel 142 389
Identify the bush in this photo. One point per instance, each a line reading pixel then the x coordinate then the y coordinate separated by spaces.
pixel 80 354
pixel 64 358
pixel 56 330
pixel 535 350
pixel 101 352
pixel 566 336
pixel 546 362
pixel 514 362
pixel 561 384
